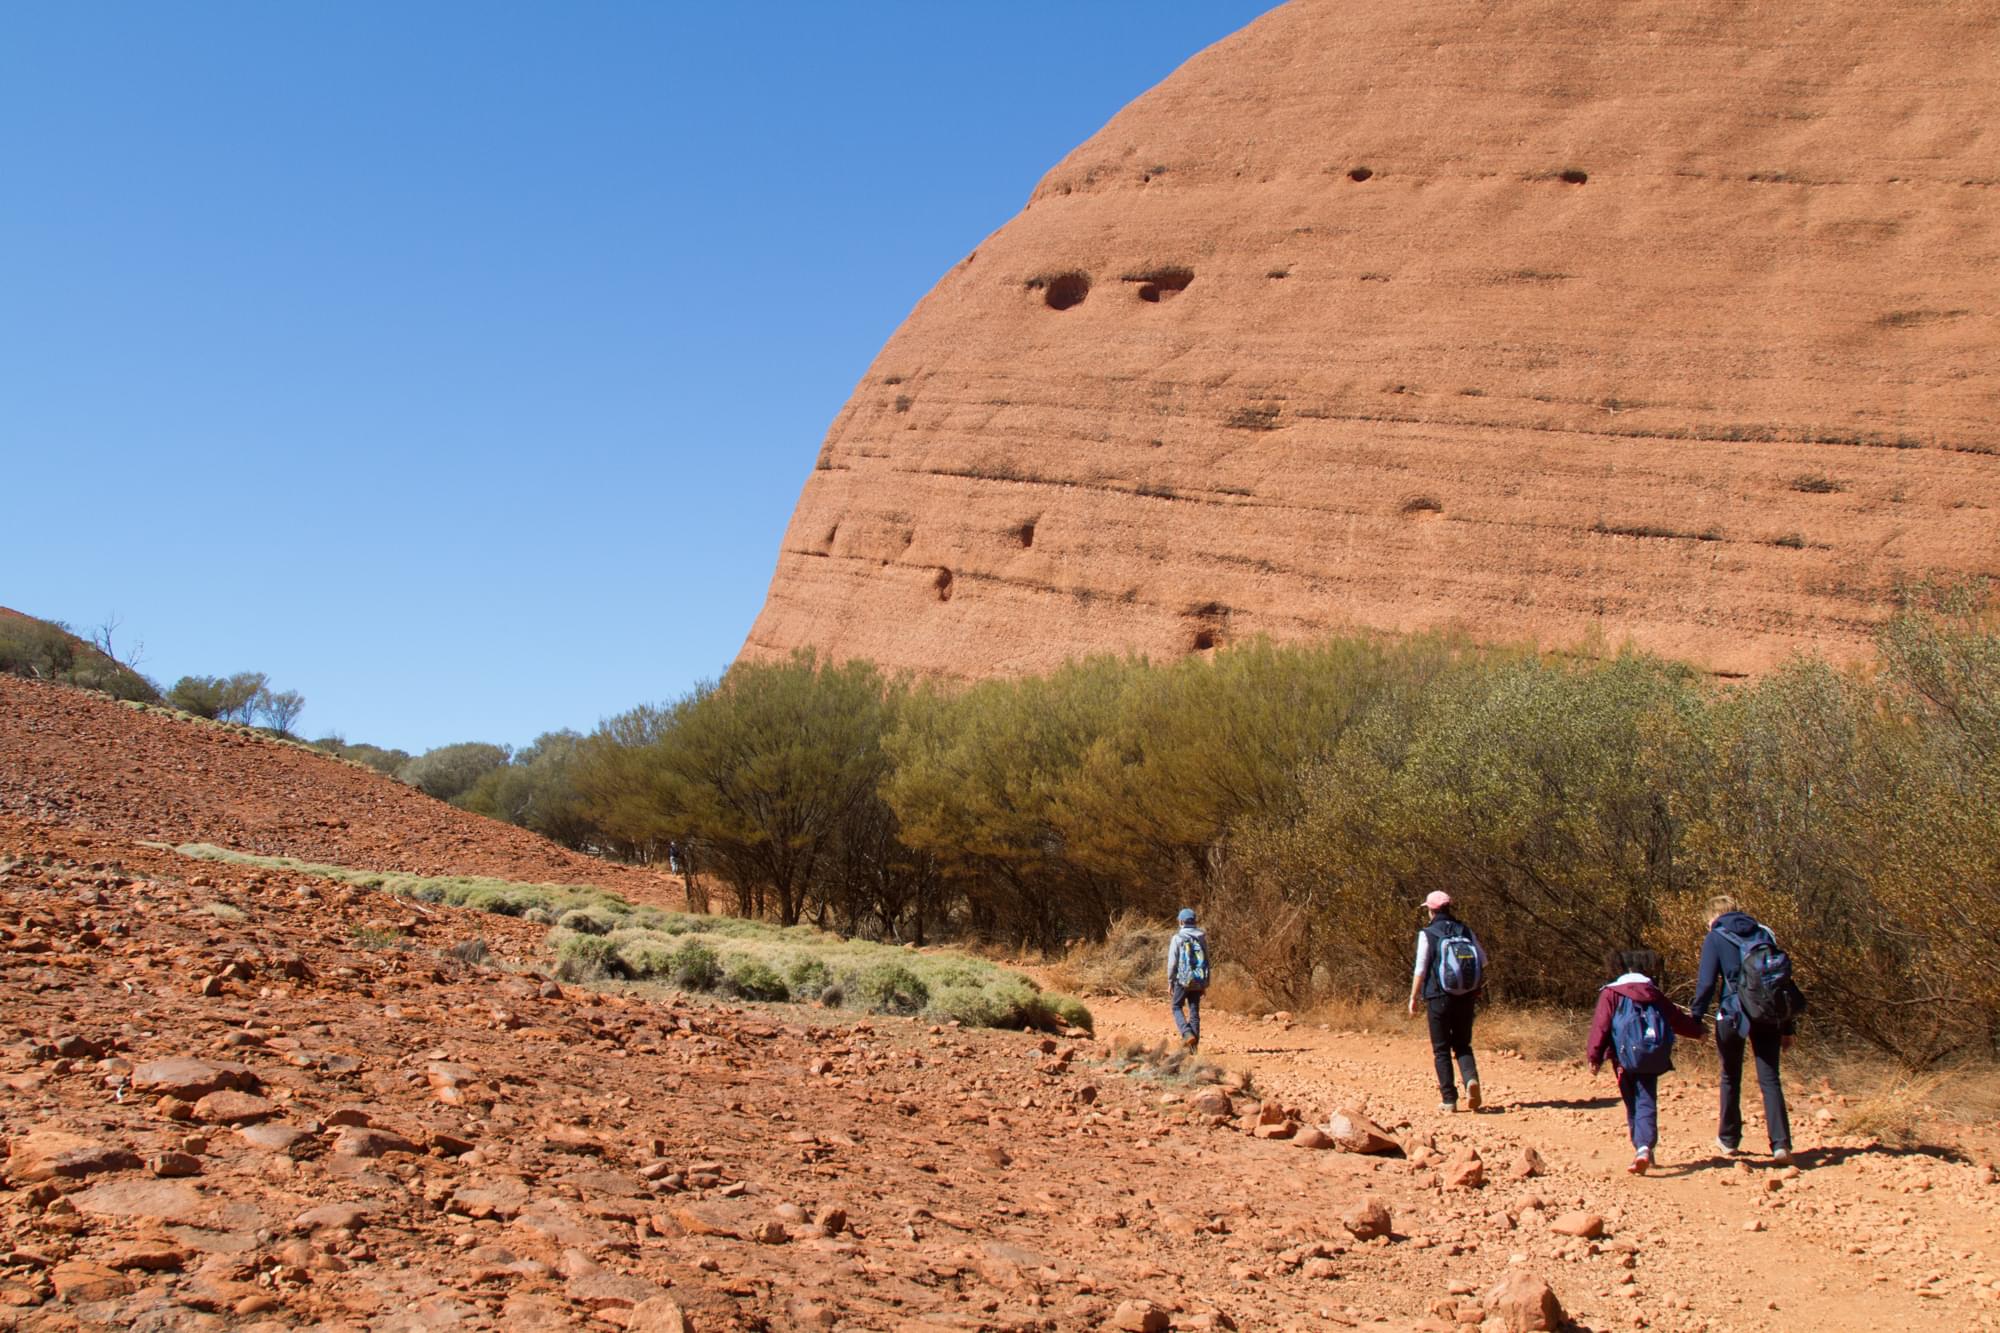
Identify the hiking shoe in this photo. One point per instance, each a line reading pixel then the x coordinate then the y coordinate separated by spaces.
pixel 1192 1043
pixel 1727 1149
pixel 1642 1161
pixel 1472 1095
pixel 1448 1108
pixel 1781 1157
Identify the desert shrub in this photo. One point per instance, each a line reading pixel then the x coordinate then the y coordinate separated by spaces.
pixel 969 1006
pixel 588 920
pixel 47 650
pixel 646 956
pixel 219 698
pixel 450 770
pixel 1071 1012
pixel 890 988
pixel 808 978
pixel 755 980
pixel 586 957
pixel 471 952
pixel 696 967
pixel 383 761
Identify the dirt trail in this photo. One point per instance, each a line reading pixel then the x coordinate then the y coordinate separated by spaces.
pixel 1865 1236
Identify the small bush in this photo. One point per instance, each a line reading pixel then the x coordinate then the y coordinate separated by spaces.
pixel 586 958
pixel 471 952
pixel 588 921
pixel 968 1006
pixel 754 980
pixel 371 937
pixel 891 988
pixel 1073 1013
pixel 224 911
pixel 809 978
pixel 696 966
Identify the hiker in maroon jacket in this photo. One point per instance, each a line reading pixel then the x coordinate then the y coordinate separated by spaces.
pixel 1634 1027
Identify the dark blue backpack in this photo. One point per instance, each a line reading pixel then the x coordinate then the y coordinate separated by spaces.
pixel 1764 988
pixel 1193 970
pixel 1458 969
pixel 1641 1037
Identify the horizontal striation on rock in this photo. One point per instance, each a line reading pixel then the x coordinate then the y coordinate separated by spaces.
pixel 1670 324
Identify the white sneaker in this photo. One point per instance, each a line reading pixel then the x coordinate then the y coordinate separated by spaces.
pixel 1448 1108
pixel 1726 1150
pixel 1642 1162
pixel 1782 1157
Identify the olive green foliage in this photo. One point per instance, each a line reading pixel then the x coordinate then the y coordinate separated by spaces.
pixel 768 782
pixel 533 789
pixel 385 762
pixel 48 650
pixel 219 698
pixel 449 771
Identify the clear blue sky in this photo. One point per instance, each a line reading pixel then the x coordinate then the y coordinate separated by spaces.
pixel 459 364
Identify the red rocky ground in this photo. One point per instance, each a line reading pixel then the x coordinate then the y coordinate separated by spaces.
pixel 234 1098
pixel 89 762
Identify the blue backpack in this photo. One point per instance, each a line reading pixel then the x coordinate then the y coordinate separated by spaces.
pixel 1193 969
pixel 1459 972
pixel 1763 985
pixel 1641 1037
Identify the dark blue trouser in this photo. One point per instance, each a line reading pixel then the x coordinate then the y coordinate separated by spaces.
pixel 1180 999
pixel 1451 1035
pixel 1765 1045
pixel 1642 1106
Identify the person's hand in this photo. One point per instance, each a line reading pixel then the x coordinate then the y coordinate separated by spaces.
pixel 1785 1042
pixel 1413 1006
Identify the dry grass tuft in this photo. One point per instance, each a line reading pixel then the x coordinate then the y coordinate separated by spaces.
pixel 1131 959
pixel 1537 1033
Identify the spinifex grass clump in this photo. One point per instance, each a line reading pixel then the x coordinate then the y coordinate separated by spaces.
pixel 753 960
pixel 599 935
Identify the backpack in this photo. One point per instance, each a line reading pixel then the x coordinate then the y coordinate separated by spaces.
pixel 1641 1037
pixel 1458 969
pixel 1764 988
pixel 1192 972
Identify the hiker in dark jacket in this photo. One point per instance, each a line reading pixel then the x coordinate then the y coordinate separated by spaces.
pixel 1633 972
pixel 1187 978
pixel 1720 979
pixel 1450 1015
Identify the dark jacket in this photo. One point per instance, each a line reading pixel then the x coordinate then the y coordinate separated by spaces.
pixel 1639 991
pixel 1721 966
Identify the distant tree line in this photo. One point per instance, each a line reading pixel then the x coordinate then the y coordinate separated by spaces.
pixel 50 650
pixel 1307 797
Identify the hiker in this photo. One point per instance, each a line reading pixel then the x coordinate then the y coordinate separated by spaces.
pixel 1450 974
pixel 1758 1004
pixel 1187 978
pixel 1635 1025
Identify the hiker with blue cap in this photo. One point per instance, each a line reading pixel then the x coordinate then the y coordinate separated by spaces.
pixel 1187 978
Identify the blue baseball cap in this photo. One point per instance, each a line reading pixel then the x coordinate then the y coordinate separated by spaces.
pixel 1187 915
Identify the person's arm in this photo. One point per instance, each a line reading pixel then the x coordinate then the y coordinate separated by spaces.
pixel 1681 1021
pixel 1173 957
pixel 1600 1031
pixel 1423 966
pixel 1711 975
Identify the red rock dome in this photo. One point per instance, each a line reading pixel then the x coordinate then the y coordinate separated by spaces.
pixel 1669 322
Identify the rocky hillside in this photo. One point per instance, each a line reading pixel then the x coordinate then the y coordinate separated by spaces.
pixel 1545 319
pixel 83 760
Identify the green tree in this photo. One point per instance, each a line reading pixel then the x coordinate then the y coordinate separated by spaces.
pixel 450 770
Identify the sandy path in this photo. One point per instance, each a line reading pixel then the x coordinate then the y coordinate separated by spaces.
pixel 1860 1238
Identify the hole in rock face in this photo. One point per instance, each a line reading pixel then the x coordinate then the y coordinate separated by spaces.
pixel 1158 284
pixel 1204 639
pixel 831 533
pixel 1423 506
pixel 1066 290
pixel 1359 174
pixel 1025 534
pixel 943 585
pixel 1573 176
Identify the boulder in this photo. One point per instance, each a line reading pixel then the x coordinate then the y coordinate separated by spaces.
pixel 48 1154
pixel 1367 1219
pixel 1353 1132
pixel 1524 1304
pixel 1581 1224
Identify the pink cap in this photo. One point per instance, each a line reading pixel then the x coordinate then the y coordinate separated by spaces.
pixel 1438 901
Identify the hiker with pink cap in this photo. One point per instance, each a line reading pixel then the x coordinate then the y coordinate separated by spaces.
pixel 1450 974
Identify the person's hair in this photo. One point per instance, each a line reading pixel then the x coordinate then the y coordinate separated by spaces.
pixel 1721 905
pixel 1646 962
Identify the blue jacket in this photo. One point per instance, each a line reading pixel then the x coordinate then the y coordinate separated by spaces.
pixel 1721 964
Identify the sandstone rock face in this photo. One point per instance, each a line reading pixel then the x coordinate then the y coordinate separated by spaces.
pixel 1550 320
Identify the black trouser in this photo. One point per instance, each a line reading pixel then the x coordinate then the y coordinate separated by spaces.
pixel 1451 1034
pixel 1765 1045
